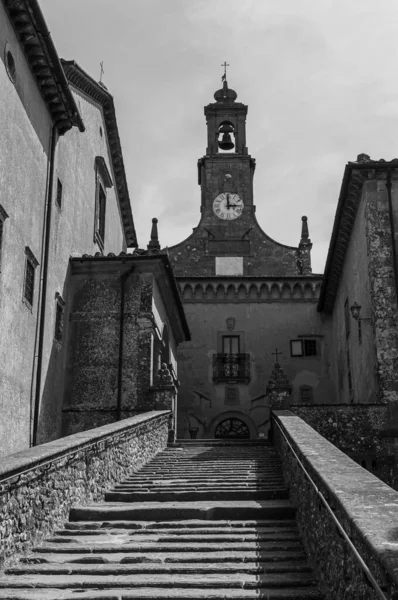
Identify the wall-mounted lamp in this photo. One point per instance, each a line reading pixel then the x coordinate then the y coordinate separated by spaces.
pixel 356 313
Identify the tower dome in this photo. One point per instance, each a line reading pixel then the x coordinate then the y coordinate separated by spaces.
pixel 225 95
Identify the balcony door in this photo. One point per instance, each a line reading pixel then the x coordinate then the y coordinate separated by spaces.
pixel 231 344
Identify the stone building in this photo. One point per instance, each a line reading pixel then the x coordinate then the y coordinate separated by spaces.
pixel 63 191
pixel 266 331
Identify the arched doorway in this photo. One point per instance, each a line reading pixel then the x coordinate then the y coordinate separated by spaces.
pixel 232 429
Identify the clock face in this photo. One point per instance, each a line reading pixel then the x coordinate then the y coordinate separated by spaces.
pixel 228 206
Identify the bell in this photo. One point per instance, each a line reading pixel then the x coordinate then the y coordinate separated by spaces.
pixel 226 143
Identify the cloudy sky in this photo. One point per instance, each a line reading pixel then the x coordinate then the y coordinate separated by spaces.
pixel 319 77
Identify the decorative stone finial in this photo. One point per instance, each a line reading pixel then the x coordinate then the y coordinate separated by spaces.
pixel 164 377
pixel 305 239
pixel 363 157
pixel 154 243
pixel 225 94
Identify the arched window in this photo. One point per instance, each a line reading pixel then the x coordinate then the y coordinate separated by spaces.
pixel 232 429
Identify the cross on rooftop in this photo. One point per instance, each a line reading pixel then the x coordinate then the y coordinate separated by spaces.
pixel 276 353
pixel 225 65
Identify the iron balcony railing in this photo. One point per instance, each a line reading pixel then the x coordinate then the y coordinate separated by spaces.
pixel 231 367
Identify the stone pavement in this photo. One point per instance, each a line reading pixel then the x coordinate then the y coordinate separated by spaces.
pixel 198 521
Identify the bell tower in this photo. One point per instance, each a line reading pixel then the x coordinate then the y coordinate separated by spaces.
pixel 227 167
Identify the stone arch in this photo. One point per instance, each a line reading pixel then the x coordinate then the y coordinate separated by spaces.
pixel 297 293
pixel 220 295
pixel 187 292
pixel 199 291
pixel 275 293
pixel 231 292
pixel 242 292
pixel 233 414
pixel 308 291
pixel 264 291
pixel 286 292
pixel 253 292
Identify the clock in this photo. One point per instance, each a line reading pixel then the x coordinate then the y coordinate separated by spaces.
pixel 228 206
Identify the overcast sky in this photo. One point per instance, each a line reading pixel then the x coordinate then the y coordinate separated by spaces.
pixel 319 77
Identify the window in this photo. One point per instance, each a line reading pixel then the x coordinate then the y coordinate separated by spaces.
pixel 230 344
pixel 306 393
pixel 3 217
pixel 59 318
pixel 103 181
pixel 29 283
pixel 10 63
pixel 303 348
pixel 59 193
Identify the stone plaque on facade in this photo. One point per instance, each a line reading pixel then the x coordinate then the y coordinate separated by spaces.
pixel 229 265
pixel 228 247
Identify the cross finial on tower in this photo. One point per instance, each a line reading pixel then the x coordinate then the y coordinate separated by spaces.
pixel 102 70
pixel 276 354
pixel 225 65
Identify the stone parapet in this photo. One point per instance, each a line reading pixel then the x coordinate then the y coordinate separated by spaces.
pixel 366 508
pixel 38 486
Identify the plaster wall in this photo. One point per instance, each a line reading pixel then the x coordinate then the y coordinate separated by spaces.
pixel 24 147
pixel 159 309
pixel 355 287
pixel 72 233
pixel 264 327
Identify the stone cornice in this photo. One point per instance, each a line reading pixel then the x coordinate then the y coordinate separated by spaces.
pixel 355 174
pixel 34 37
pixel 249 289
pixel 83 82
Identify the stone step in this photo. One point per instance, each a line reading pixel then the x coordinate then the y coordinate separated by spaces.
pixel 202 531
pixel 182 581
pixel 163 547
pixel 298 566
pixel 194 496
pixel 198 487
pixel 305 593
pixel 177 511
pixel 142 538
pixel 196 524
pixel 196 558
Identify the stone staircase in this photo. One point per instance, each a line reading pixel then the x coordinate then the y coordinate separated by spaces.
pixel 199 521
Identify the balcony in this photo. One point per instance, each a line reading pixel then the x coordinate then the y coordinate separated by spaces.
pixel 231 368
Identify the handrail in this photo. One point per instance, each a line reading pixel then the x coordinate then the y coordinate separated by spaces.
pixel 372 581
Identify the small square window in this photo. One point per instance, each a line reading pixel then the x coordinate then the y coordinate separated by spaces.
pixel 296 347
pixel 306 393
pixel 310 348
pixel 59 193
pixel 29 281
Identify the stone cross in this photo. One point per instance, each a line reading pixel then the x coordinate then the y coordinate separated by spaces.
pixel 225 65
pixel 276 353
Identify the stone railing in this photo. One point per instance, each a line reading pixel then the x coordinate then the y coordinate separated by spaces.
pixel 38 486
pixel 365 507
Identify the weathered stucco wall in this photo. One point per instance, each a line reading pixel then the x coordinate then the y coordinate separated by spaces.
pixel 38 486
pixel 348 488
pixel 350 353
pixel 24 148
pixel 72 233
pixel 263 327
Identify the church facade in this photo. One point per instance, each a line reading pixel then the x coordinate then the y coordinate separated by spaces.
pixel 264 326
pixel 250 301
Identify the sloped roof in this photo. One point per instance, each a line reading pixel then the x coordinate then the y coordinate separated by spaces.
pixel 34 37
pixel 355 173
pixel 98 92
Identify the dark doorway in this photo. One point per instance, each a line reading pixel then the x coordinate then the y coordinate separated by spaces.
pixel 232 429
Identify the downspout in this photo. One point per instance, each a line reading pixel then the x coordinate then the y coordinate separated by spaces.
pixel 43 293
pixel 121 341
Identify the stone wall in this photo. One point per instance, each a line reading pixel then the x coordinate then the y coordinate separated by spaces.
pixel 348 488
pixel 38 486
